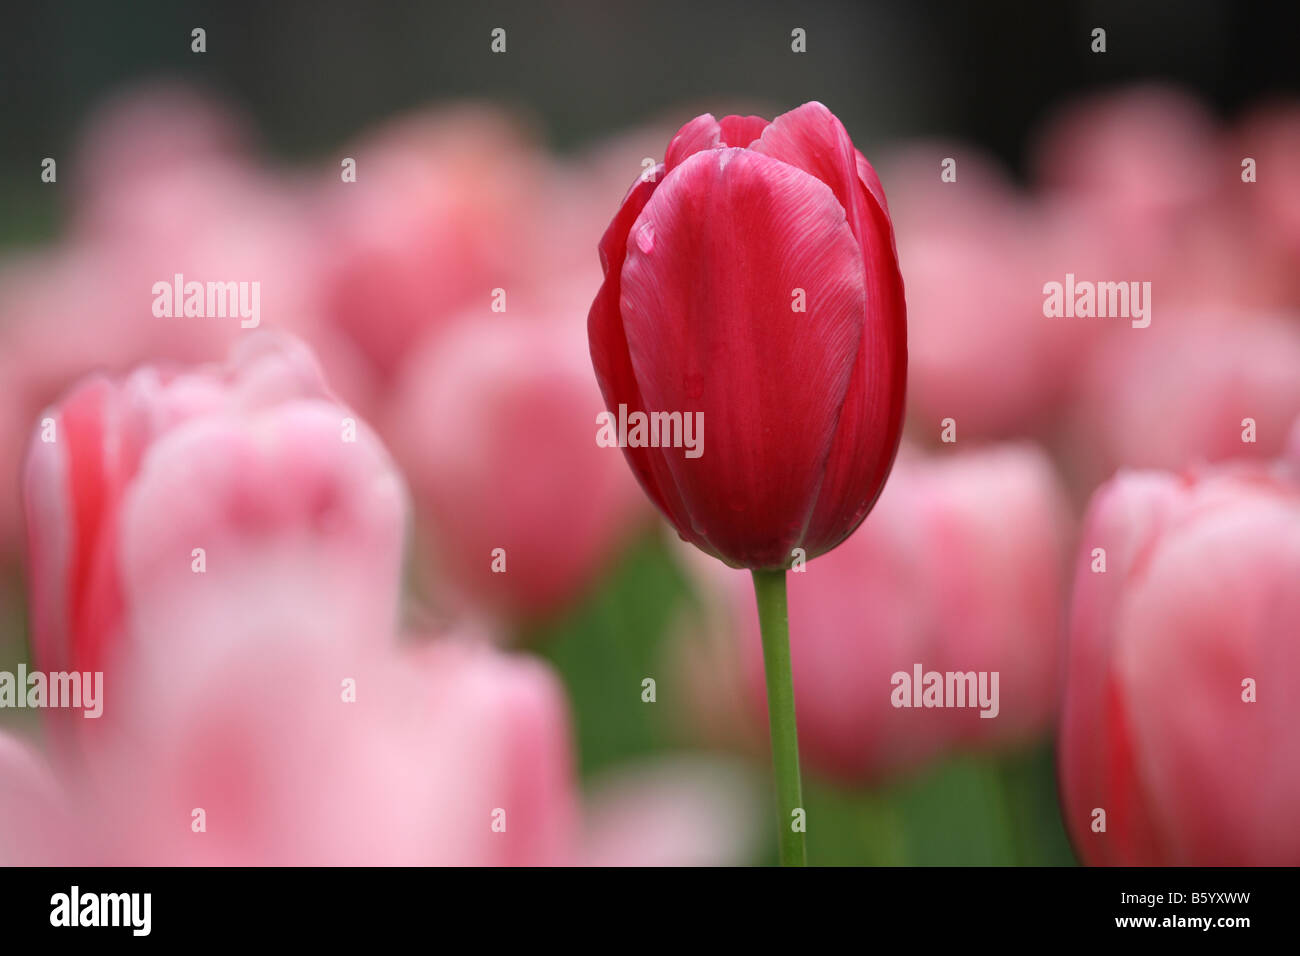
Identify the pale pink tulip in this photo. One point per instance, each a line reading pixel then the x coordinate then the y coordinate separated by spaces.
pixel 443 211
pixel 975 255
pixel 1177 741
pixel 260 709
pixel 1133 173
pixel 495 424
pixel 1194 387
pixel 252 462
pixel 162 185
pixel 249 752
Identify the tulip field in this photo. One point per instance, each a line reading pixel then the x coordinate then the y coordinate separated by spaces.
pixel 555 436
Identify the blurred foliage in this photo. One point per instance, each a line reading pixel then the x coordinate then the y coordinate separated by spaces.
pixel 604 649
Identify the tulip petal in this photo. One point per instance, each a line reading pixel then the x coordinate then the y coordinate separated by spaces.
pixel 703 132
pixel 870 425
pixel 1096 764
pixel 299 529
pixel 708 309
pixel 741 130
pixel 609 352
pixel 813 139
pixel 1217 603
pixel 73 485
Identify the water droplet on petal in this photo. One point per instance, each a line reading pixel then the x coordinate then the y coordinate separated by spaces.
pixel 645 238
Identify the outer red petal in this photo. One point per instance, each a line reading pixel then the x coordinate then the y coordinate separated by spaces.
pixel 708 287
pixel 871 423
pixel 609 353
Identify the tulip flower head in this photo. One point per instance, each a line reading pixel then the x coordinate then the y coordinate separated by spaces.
pixel 1178 729
pixel 752 278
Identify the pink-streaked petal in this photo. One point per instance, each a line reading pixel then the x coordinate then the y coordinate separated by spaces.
pixel 49 544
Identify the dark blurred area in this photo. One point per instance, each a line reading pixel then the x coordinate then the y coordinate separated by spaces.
pixel 313 73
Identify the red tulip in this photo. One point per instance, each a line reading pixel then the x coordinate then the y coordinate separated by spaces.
pixel 751 281
pixel 1183 682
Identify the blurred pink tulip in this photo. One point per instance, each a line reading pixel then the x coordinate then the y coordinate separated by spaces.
pixel 1183 676
pixel 495 424
pixel 252 462
pixel 1134 170
pixel 451 754
pixel 248 751
pixel 443 211
pixel 150 132
pixel 1187 390
pixel 961 569
pixel 975 255
pixel 441 741
pixel 163 185
pixel 259 708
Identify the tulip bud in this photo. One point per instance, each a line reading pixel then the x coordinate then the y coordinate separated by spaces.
pixel 1183 681
pixel 752 281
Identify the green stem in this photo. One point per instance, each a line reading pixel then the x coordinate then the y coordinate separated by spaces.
pixel 774 621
